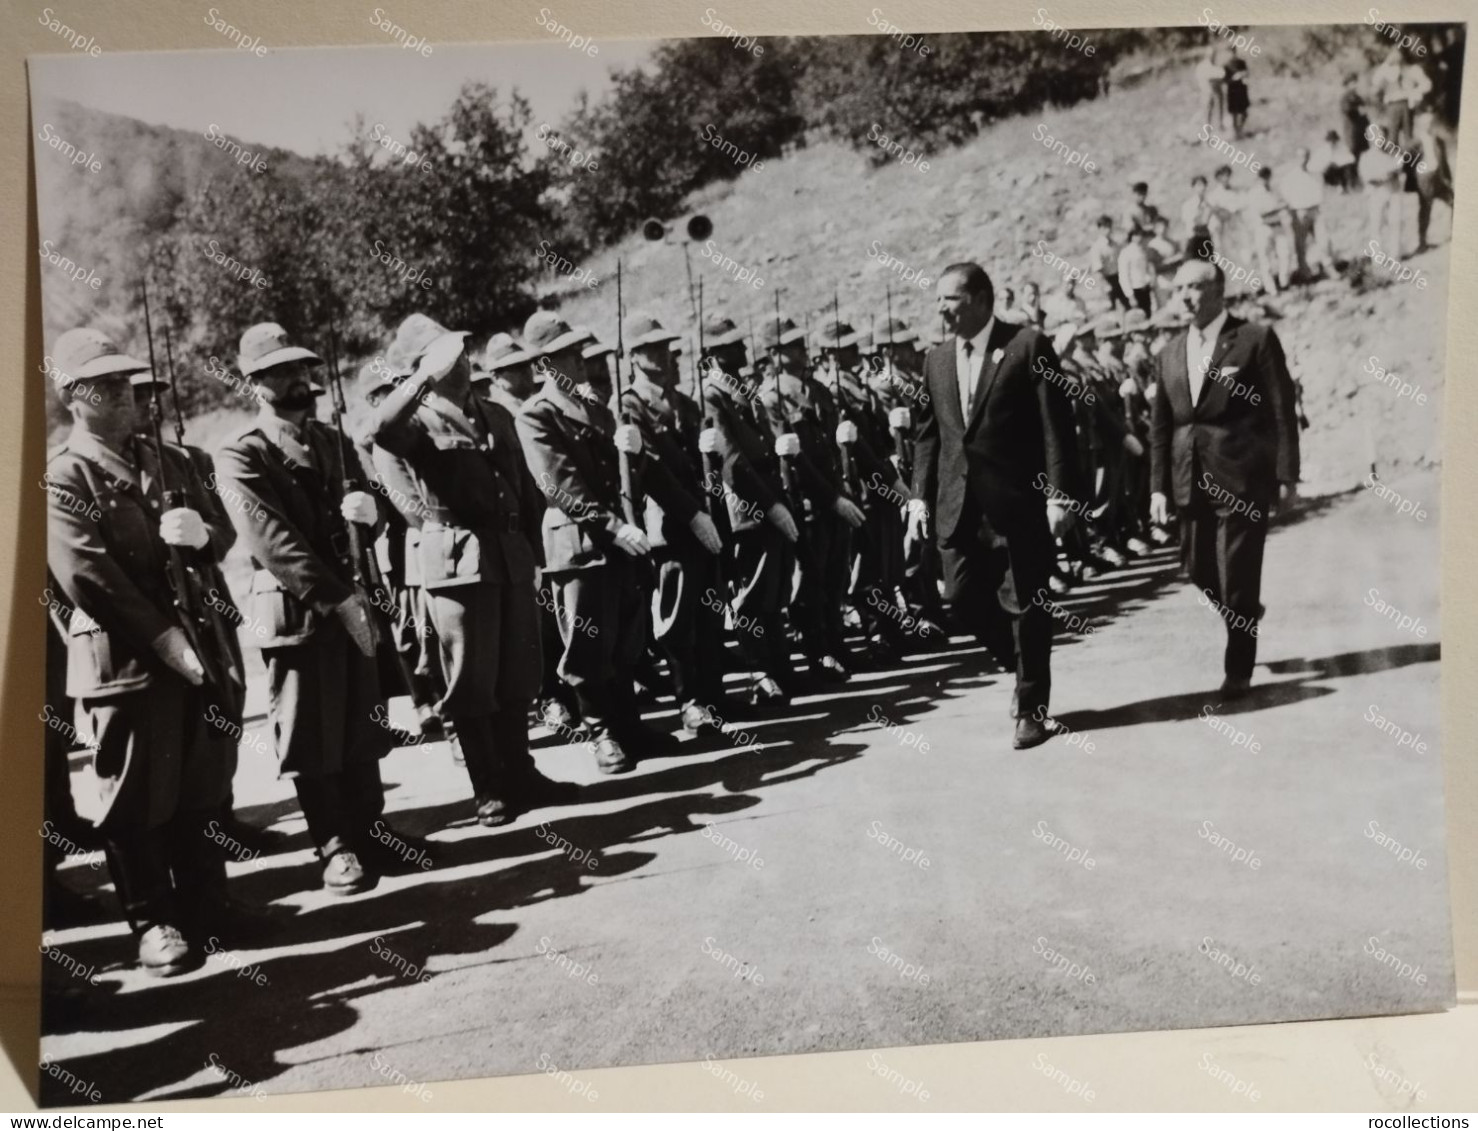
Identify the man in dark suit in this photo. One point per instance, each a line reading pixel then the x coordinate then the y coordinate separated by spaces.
pixel 996 476
pixel 1224 444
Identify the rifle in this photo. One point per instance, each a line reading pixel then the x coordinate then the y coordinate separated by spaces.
pixel 182 567
pixel 900 445
pixel 711 475
pixel 623 459
pixel 787 472
pixel 849 477
pixel 174 391
pixel 364 565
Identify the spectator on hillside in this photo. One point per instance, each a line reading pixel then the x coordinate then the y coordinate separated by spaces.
pixel 1352 116
pixel 1228 229
pixel 1211 78
pixel 1030 311
pixel 1433 174
pixel 1141 213
pixel 1163 252
pixel 1302 189
pixel 1196 216
pixel 1137 269
pixel 1104 256
pixel 1381 174
pixel 1064 305
pixel 1238 98
pixel 1401 87
pixel 1005 303
pixel 1266 213
pixel 1333 161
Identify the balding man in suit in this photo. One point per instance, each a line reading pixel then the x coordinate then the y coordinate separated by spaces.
pixel 996 476
pixel 1224 445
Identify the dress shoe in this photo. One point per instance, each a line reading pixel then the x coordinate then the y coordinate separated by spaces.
pixel 495 811
pixel 163 952
pixel 344 875
pixel 1029 733
pixel 767 693
pixel 696 717
pixel 1235 687
pixel 610 758
pixel 556 716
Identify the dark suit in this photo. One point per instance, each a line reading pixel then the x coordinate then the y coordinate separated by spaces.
pixel 984 475
pixel 1221 460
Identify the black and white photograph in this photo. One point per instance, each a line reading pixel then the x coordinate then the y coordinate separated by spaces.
pixel 590 552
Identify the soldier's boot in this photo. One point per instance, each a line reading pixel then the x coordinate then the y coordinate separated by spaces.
pixel 595 713
pixel 493 796
pixel 137 863
pixel 510 731
pixel 331 828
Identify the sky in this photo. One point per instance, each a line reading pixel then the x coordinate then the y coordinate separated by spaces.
pixel 303 99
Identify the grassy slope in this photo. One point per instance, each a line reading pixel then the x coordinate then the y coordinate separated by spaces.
pixel 806 223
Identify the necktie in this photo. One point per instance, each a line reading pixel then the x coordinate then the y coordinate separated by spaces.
pixel 967 379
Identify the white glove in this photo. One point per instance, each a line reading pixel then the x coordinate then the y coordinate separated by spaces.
pixel 918 519
pixel 173 647
pixel 632 540
pixel 1059 519
pixel 1128 387
pixel 1133 445
pixel 706 532
pixel 846 432
pixel 900 418
pixel 183 527
pixel 708 441
pixel 787 444
pixel 628 439
pixel 438 361
pixel 359 506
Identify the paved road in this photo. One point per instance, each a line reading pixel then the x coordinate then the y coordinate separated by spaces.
pixel 674 942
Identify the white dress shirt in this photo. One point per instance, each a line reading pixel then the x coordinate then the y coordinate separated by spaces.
pixel 967 367
pixel 1199 346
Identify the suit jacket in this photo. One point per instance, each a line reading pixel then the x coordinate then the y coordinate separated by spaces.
pixel 480 509
pixel 1017 438
pixel 105 552
pixel 284 502
pixel 1247 447
pixel 569 447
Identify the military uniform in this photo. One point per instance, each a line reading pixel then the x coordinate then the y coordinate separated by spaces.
pixel 690 593
pixel 479 548
pixel 160 776
pixel 763 559
pixel 600 591
pixel 284 487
